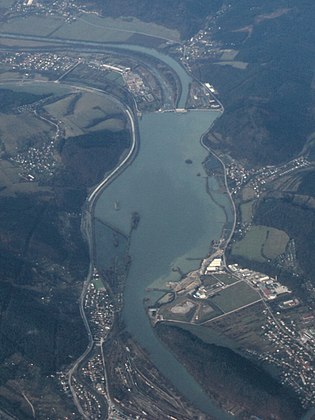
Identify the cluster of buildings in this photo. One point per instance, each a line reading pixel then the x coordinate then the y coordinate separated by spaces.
pixel 65 8
pixel 89 401
pixel 137 86
pixel 200 47
pixel 41 62
pixel 270 288
pixel 238 176
pixel 99 309
pixel 214 266
pixel 292 344
pixel 203 46
pixel 93 371
pixel 136 82
pixel 204 292
pixel 292 351
pixel 36 162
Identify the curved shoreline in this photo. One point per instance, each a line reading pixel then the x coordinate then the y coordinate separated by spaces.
pixel 87 228
pixel 227 190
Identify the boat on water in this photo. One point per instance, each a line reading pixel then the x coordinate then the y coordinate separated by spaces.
pixel 116 205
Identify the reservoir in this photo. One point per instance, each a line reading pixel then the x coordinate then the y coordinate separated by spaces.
pixel 166 185
pixel 178 220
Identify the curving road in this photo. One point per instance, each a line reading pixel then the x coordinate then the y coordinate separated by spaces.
pixel 87 230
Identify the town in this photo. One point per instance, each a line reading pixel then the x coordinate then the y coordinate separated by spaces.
pixel 285 329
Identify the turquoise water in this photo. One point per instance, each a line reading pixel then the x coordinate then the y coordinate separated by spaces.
pixel 177 220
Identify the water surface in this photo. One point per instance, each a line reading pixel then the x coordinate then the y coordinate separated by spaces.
pixel 178 220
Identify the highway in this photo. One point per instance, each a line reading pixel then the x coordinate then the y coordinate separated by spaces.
pixel 117 170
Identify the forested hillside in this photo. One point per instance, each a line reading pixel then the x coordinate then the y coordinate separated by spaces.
pixel 187 16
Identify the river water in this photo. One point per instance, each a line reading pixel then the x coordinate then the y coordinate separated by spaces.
pixel 178 220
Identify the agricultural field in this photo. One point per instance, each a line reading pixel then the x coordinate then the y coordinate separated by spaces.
pixel 16 129
pixel 206 312
pixel 37 88
pixel 199 311
pixel 94 28
pixel 246 331
pixel 235 296
pixel 226 278
pixel 229 55
pixel 28 141
pixel 98 284
pixel 241 65
pixel 246 212
pixel 248 193
pixel 108 29
pixel 261 243
pixel 94 32
pixel 82 112
pixel 32 25
pixel 6 3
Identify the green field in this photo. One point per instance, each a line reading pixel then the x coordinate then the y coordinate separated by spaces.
pixel 98 284
pixel 87 112
pixel 16 129
pixel 261 243
pixel 32 25
pixel 241 65
pixel 226 278
pixel 7 3
pixel 89 28
pixel 206 312
pixel 235 296
pixel 108 29
pixel 247 212
pixel 229 55
pixel 248 193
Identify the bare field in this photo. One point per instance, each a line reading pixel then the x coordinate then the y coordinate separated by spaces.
pixel 181 310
